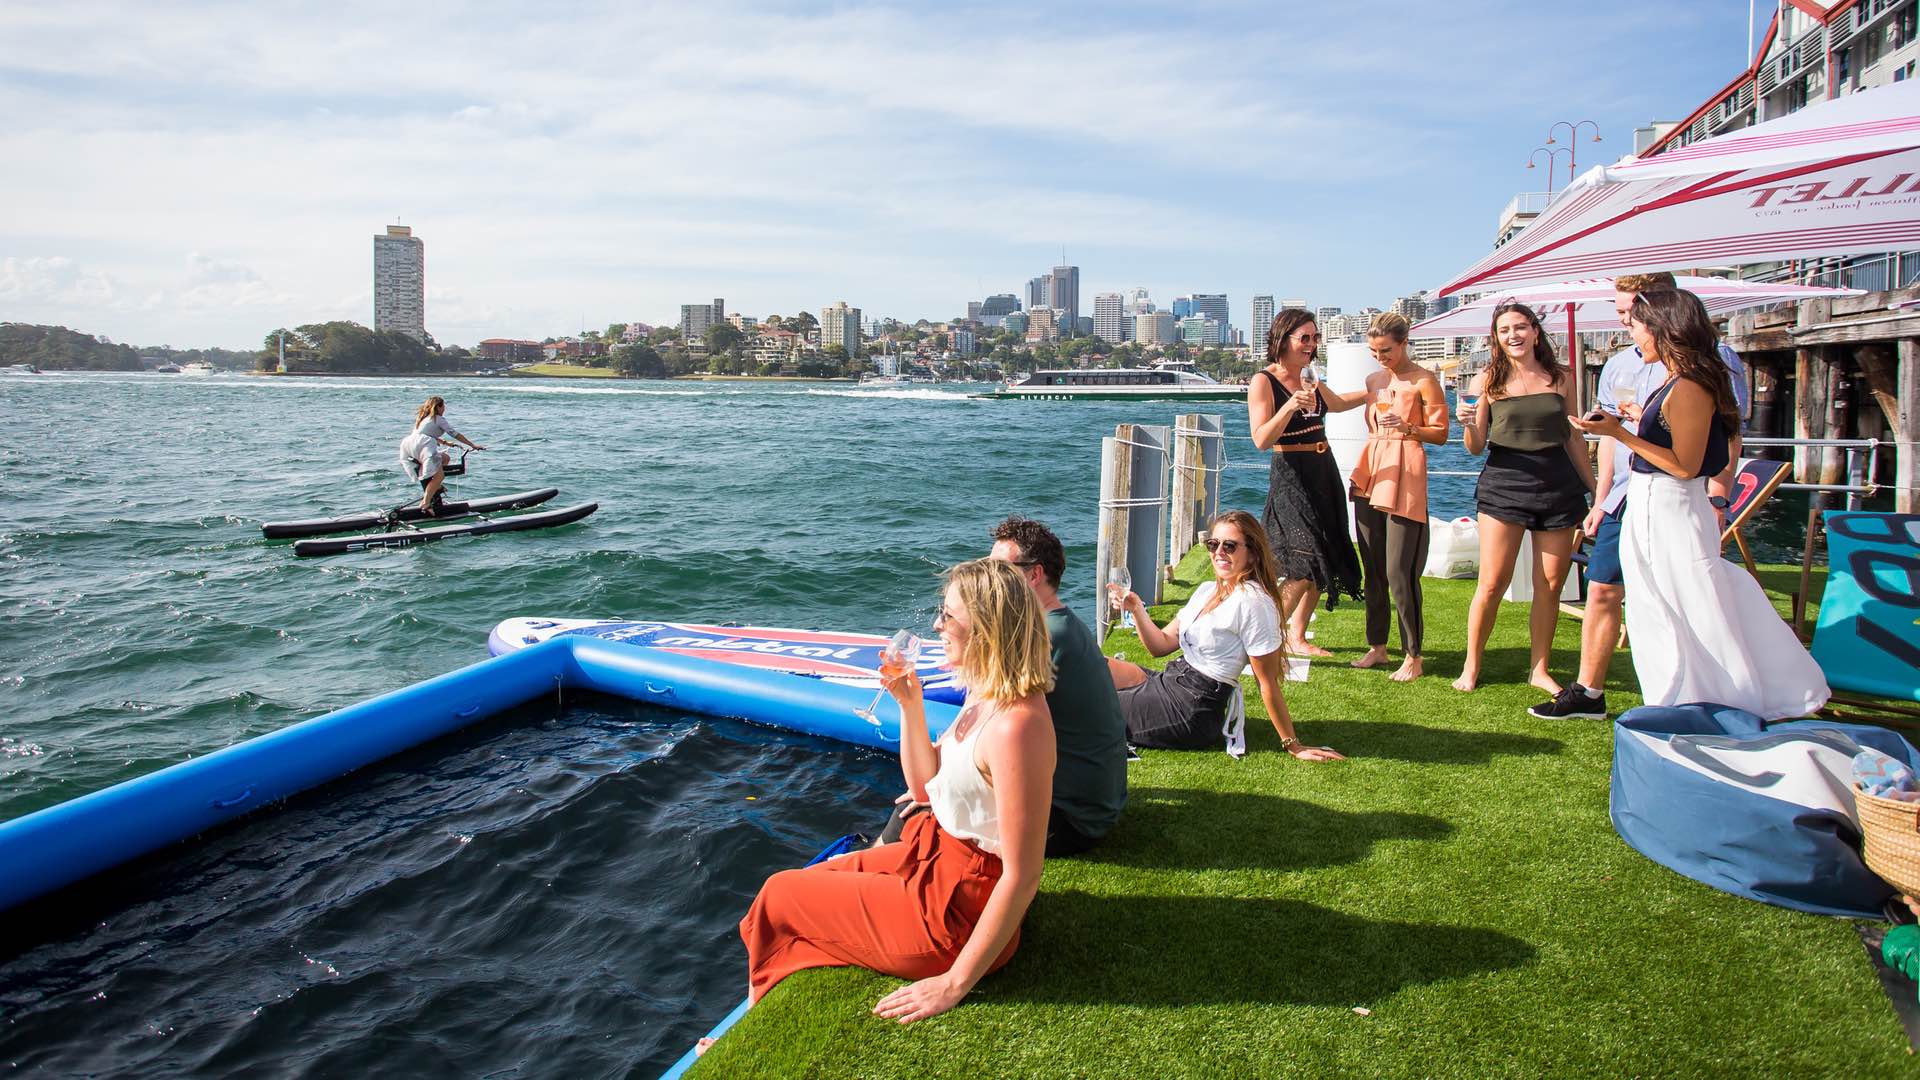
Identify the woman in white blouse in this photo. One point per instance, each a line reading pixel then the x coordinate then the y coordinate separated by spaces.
pixel 1228 623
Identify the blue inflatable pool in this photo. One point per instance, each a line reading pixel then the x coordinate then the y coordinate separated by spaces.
pixel 52 848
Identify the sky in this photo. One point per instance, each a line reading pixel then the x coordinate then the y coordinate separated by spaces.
pixel 197 174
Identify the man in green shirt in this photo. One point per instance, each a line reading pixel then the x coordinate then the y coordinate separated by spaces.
pixel 1090 778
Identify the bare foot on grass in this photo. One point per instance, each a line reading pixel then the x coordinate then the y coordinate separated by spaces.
pixel 1543 682
pixel 1467 681
pixel 1305 648
pixel 1409 670
pixel 1376 655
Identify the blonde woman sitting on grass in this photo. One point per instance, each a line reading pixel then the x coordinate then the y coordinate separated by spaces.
pixel 943 906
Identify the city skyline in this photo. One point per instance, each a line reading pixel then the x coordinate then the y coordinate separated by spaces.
pixel 202 178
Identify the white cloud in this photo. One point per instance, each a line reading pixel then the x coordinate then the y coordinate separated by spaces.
pixel 622 158
pixel 55 283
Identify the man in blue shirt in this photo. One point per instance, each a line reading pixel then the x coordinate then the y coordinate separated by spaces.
pixel 1627 379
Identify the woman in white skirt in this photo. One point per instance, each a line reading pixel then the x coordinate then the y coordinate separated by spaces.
pixel 1702 629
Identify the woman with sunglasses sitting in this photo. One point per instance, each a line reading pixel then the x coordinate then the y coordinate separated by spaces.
pixel 942 906
pixel 1227 623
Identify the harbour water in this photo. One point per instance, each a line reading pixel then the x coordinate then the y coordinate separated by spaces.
pixel 553 892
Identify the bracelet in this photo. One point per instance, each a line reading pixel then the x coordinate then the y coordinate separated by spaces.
pixel 1288 742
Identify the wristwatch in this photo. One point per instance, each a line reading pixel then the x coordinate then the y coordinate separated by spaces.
pixel 1287 743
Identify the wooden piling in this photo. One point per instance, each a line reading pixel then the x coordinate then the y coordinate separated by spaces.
pixel 1196 481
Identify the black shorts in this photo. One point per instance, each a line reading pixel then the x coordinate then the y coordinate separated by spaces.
pixel 1536 489
pixel 1180 708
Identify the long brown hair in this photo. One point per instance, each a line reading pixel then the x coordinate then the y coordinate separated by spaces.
pixel 1500 366
pixel 433 405
pixel 1282 328
pixel 1684 340
pixel 1260 568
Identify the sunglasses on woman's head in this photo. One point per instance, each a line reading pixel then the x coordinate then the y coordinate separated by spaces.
pixel 1226 546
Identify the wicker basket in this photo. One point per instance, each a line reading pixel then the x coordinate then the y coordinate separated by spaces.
pixel 1891 829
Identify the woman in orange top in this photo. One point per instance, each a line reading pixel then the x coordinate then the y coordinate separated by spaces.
pixel 1406 410
pixel 943 905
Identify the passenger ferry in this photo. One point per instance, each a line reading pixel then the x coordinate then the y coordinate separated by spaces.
pixel 1164 381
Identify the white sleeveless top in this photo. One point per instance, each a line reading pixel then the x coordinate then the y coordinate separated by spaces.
pixel 960 796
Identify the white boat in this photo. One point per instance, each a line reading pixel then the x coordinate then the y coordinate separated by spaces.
pixel 19 369
pixel 1164 381
pixel 198 367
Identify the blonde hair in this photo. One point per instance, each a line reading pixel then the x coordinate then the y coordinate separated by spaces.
pixel 1260 565
pixel 433 405
pixel 1639 283
pixel 1389 324
pixel 1008 655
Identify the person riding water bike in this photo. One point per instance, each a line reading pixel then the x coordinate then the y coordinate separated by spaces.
pixel 421 454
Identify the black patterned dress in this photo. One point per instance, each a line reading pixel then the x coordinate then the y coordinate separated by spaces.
pixel 1306 513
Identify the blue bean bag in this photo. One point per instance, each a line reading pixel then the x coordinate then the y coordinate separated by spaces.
pixel 1764 812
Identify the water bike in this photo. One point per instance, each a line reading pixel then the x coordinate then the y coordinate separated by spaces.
pixel 443 521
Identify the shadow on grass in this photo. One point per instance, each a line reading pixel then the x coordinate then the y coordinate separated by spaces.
pixel 1201 950
pixel 1189 829
pixel 1433 745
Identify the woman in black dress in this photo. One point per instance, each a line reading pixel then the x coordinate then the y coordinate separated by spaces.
pixel 1306 513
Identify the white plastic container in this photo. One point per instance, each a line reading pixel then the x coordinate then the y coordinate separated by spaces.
pixel 1348 365
pixel 1453 548
pixel 1521 587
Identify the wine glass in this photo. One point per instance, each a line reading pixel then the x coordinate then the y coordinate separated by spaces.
pixel 1119 583
pixel 1624 394
pixel 1309 377
pixel 895 659
pixel 1382 402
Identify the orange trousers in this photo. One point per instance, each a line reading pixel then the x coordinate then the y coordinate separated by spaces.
pixel 902 909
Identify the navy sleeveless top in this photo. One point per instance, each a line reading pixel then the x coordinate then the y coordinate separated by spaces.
pixel 1302 428
pixel 1653 428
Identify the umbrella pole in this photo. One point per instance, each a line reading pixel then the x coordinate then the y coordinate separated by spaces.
pixel 1577 363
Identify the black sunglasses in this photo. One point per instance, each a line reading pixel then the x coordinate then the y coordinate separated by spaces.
pixel 1228 546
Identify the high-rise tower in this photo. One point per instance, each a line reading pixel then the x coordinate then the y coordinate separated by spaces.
pixel 400 282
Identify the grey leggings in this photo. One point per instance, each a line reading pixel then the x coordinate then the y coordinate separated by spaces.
pixel 1393 551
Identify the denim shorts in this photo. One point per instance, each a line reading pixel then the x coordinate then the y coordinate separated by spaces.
pixel 1603 558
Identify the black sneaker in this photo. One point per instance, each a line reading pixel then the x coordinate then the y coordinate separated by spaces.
pixel 1574 701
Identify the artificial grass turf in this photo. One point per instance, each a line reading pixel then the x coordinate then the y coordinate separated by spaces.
pixel 1458 877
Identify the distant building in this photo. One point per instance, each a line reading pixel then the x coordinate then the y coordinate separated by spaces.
pixel 1182 306
pixel 511 350
pixel 635 331
pixel 993 307
pixel 1295 304
pixel 1414 307
pixel 1043 324
pixel 1261 322
pixel 1214 306
pixel 1040 292
pixel 1138 302
pixel 1325 315
pixel 973 310
pixel 1202 330
pixel 1063 293
pixel 1154 328
pixel 743 322
pixel 696 319
pixel 840 325
pixel 400 283
pixel 964 343
pixel 1111 323
pixel 1015 321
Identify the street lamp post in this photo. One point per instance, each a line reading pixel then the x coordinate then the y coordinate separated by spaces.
pixel 1538 150
pixel 1573 139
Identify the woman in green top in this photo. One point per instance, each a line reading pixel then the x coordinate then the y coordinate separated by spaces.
pixel 1536 481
